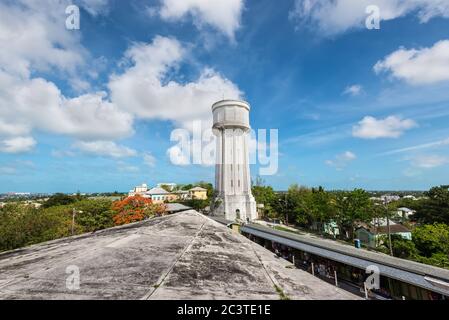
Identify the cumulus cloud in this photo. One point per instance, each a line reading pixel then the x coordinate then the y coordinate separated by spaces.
pixel 17 144
pixel 105 148
pixel 223 15
pixel 145 88
pixel 390 127
pixel 33 40
pixel 32 36
pixel 336 16
pixel 28 104
pixel 353 90
pixel 341 160
pixel 418 66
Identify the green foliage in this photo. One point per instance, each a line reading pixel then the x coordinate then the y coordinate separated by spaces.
pixel 266 196
pixel 187 186
pixel 437 259
pixel 402 248
pixel 22 225
pixel 94 215
pixel 351 207
pixel 196 204
pixel 59 199
pixel 166 188
pixel 434 208
pixel 432 239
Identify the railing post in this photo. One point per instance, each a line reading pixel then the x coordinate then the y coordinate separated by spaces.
pixel 336 280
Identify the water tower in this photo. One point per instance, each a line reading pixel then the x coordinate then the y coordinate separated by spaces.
pixel 232 175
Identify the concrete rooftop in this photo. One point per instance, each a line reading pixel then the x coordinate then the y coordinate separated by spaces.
pixel 181 256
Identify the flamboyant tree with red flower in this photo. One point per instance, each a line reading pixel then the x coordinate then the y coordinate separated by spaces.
pixel 135 208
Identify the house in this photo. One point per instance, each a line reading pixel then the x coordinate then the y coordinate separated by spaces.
pixel 371 235
pixel 182 194
pixel 331 228
pixel 159 195
pixel 198 193
pixel 405 212
pixel 139 190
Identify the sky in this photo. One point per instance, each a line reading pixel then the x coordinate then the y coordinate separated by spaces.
pixel 92 109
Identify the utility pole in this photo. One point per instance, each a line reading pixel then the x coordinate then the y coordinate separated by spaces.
pixel 73 220
pixel 388 228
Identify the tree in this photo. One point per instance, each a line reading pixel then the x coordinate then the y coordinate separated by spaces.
pixel 187 186
pixel 133 209
pixel 402 248
pixel 94 214
pixel 321 206
pixel 264 195
pixel 166 187
pixel 22 225
pixel 196 204
pixel 59 199
pixel 351 207
pixel 432 239
pixel 435 208
pixel 294 205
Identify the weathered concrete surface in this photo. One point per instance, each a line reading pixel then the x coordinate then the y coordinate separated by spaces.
pixel 182 256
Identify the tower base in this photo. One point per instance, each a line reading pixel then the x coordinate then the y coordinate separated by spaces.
pixel 237 208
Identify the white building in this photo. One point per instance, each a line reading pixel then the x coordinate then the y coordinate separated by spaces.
pixel 139 190
pixel 405 212
pixel 232 176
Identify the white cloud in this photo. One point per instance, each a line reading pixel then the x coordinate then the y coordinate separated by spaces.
pixel 353 90
pixel 178 156
pixel 17 144
pixel 418 66
pixel 26 105
pixel 33 36
pixel 429 161
pixel 95 7
pixel 341 160
pixel 145 88
pixel 105 148
pixel 336 16
pixel 223 15
pixel 149 160
pixel 434 144
pixel 390 127
pixel 33 39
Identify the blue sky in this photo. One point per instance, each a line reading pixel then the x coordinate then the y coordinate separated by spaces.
pixel 93 109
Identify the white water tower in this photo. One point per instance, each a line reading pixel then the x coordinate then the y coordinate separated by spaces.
pixel 232 174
